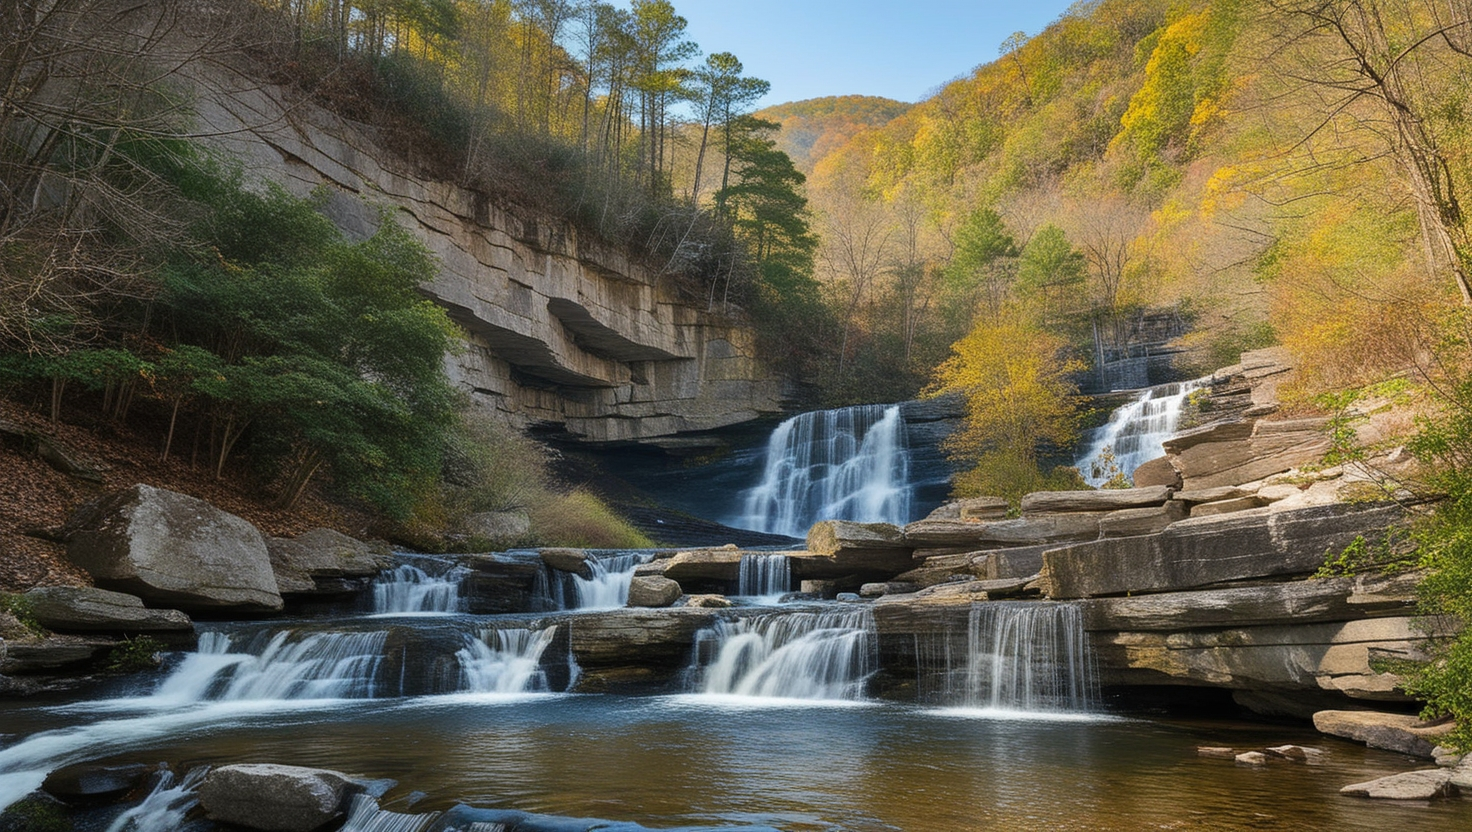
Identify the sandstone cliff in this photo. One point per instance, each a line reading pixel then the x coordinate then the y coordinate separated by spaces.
pixel 564 332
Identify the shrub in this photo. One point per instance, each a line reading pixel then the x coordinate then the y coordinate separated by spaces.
pixel 581 519
pixel 135 654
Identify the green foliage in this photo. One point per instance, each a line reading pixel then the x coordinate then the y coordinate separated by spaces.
pixel 21 608
pixel 1106 467
pixel 1391 552
pixel 135 654
pixel 580 519
pixel 1050 273
pixel 36 814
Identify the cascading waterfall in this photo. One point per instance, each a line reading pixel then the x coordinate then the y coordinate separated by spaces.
pixel 1135 432
pixel 797 655
pixel 365 816
pixel 314 666
pixel 505 661
pixel 607 589
pixel 1028 656
pixel 165 807
pixel 844 464
pixel 409 589
pixel 764 576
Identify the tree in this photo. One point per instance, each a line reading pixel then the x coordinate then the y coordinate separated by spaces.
pixel 1050 272
pixel 724 97
pixel 1395 56
pixel 980 271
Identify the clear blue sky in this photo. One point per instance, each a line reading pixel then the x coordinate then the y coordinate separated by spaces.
pixel 902 49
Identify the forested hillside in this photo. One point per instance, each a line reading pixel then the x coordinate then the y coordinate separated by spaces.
pixel 812 129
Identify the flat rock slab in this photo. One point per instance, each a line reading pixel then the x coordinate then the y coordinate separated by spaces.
pixel 1412 785
pixel 89 609
pixel 1199 552
pixel 828 537
pixel 1107 499
pixel 174 550
pixel 1133 522
pixel 89 780
pixel 274 798
pixel 652 644
pixel 1293 602
pixel 1393 732
pixel 1023 531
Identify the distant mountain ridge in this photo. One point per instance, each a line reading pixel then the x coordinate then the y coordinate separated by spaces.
pixel 816 127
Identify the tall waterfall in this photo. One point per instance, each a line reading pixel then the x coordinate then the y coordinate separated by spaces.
pixel 409 589
pixel 800 655
pixel 1135 432
pixel 764 576
pixel 844 464
pixel 505 661
pixel 607 589
pixel 1028 656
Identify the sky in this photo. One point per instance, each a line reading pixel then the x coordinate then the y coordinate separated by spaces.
pixel 901 49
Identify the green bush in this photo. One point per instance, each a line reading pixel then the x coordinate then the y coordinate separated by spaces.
pixel 135 654
pixel 20 607
pixel 581 519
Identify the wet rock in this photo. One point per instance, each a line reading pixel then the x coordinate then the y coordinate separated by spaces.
pixel 501 583
pixel 92 610
pixel 1157 471
pixel 568 560
pixel 174 550
pixel 274 798
pixel 92 781
pixel 1107 499
pixel 1199 552
pixel 706 602
pixel 1216 752
pixel 722 565
pixel 57 652
pixel 1297 753
pixel 1462 775
pixel 1293 602
pixel 1252 758
pixel 1401 733
pixel 848 597
pixel 653 592
pixel 634 648
pixel 875 590
pixel 324 562
pixel 1412 785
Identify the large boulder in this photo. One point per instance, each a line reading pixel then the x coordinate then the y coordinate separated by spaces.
pixel 92 610
pixel 1240 452
pixel 634 649
pixel 830 537
pixel 502 583
pixel 275 798
pixel 174 550
pixel 1412 785
pixel 567 560
pixel 653 592
pixel 1401 733
pixel 1200 552
pixel 323 562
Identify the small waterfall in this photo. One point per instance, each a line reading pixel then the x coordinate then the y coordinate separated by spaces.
pixel 608 589
pixel 314 666
pixel 365 816
pixel 409 589
pixel 1134 432
pixel 799 655
pixel 766 576
pixel 844 464
pixel 505 661
pixel 165 807
pixel 1029 656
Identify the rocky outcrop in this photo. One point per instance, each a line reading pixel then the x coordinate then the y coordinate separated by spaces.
pixel 1412 785
pixel 501 583
pixel 633 649
pixel 90 781
pixel 173 550
pixel 562 329
pixel 324 562
pixel 1400 733
pixel 567 560
pixel 1201 552
pixel 275 798
pixel 92 610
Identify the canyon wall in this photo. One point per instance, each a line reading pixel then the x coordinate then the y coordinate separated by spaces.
pixel 564 333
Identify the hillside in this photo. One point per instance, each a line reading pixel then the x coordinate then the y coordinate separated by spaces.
pixel 812 129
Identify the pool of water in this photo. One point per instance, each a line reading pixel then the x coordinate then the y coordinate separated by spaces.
pixel 667 761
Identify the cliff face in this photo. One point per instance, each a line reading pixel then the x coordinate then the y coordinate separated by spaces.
pixel 563 332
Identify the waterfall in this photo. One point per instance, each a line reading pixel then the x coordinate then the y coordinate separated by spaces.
pixel 844 464
pixel 165 807
pixel 505 661
pixel 1029 656
pixel 766 576
pixel 409 589
pixel 365 816
pixel 314 666
pixel 798 655
pixel 1135 432
pixel 607 589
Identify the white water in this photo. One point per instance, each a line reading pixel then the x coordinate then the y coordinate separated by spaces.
pixel 165 807
pixel 767 577
pixel 844 464
pixel 409 589
pixel 1135 432
pixel 797 655
pixel 365 816
pixel 1030 657
pixel 314 666
pixel 607 589
pixel 505 661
